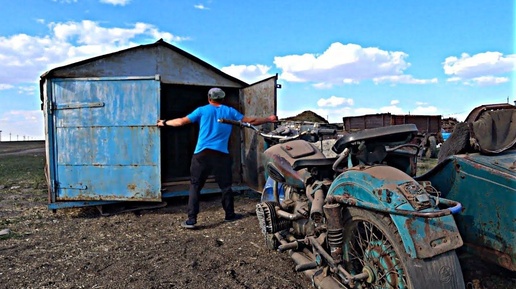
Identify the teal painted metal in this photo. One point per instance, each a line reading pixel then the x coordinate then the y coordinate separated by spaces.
pixel 103 139
pixel 486 186
pixel 377 188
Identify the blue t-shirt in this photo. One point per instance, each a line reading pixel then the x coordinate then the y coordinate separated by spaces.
pixel 212 134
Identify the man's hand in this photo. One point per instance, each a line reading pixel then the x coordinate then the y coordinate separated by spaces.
pixel 272 118
pixel 161 122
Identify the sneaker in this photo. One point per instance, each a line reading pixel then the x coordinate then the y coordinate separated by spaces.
pixel 235 217
pixel 188 224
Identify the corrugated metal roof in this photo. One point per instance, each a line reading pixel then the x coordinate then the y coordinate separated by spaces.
pixel 52 73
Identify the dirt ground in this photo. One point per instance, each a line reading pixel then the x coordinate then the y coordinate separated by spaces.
pixel 79 248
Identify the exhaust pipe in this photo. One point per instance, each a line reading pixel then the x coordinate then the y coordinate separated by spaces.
pixel 316 212
pixel 318 277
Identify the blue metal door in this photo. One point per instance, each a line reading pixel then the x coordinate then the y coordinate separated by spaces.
pixel 106 144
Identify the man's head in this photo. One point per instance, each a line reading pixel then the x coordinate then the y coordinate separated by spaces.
pixel 216 94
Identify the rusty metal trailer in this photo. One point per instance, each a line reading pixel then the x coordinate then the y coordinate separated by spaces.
pixel 429 127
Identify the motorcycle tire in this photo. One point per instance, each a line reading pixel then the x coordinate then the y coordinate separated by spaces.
pixel 373 244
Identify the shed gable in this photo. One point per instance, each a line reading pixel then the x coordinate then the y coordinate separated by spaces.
pixel 174 66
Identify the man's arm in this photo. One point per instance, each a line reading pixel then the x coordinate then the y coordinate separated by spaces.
pixel 260 120
pixel 174 122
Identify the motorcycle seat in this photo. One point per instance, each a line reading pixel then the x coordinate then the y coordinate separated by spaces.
pixel 387 135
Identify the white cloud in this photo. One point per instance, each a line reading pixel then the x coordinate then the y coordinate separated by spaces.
pixel 480 68
pixel 394 102
pixel 28 90
pixel 334 101
pixel 89 34
pixel 405 79
pixel 489 80
pixel 116 2
pixel 24 58
pixel 349 81
pixel 6 86
pixel 347 64
pixel 394 109
pixel 454 79
pixel 425 110
pixel 322 85
pixel 201 7
pixel 248 73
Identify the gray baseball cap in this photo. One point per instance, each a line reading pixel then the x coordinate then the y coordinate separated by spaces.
pixel 216 93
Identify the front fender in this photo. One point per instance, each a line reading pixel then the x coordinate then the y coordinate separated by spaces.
pixel 425 233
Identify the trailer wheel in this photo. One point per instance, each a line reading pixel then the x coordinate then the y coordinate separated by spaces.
pixel 373 245
pixel 431 150
pixel 432 146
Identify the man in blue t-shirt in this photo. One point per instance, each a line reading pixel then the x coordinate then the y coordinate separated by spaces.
pixel 211 153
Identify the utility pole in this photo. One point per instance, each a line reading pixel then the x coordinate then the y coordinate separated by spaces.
pixel 0 136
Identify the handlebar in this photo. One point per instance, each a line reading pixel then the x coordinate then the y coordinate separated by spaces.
pixel 280 138
pixel 237 123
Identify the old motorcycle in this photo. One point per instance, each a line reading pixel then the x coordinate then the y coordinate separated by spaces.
pixel 359 220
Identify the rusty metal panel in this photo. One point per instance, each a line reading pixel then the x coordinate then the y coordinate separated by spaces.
pixel 258 100
pixel 106 142
pixel 485 185
pixel 425 123
pixel 356 123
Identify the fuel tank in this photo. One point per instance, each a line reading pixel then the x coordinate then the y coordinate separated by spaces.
pixel 294 150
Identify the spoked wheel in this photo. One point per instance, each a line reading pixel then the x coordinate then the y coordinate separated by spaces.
pixel 372 245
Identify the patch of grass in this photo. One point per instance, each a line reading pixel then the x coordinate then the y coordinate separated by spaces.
pixel 22 170
pixel 11 235
pixel 10 147
pixel 6 222
pixel 424 165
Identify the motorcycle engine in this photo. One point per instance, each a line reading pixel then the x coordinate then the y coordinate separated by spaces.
pixel 268 219
pixel 271 222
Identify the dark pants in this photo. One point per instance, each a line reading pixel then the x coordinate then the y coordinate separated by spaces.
pixel 203 164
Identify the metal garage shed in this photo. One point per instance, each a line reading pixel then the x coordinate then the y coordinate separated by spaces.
pixel 102 142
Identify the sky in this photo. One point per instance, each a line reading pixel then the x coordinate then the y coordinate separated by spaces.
pixel 336 57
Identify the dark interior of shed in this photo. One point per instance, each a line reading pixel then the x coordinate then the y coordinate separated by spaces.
pixel 178 143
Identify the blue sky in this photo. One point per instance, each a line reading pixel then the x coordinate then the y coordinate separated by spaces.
pixel 336 57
